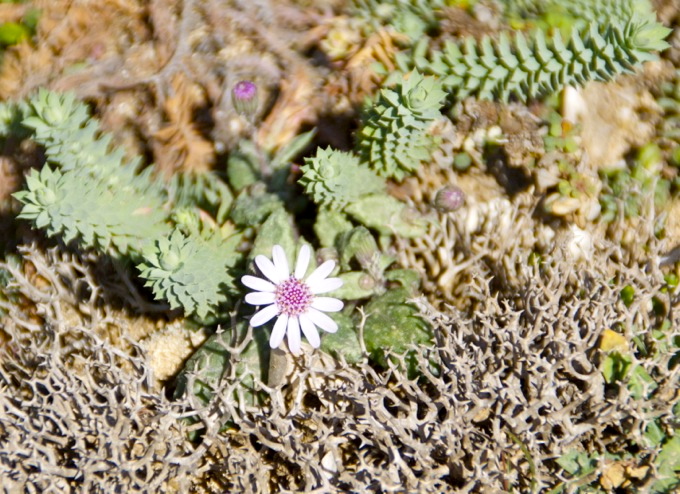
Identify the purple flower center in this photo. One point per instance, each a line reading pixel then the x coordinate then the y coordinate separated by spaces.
pixel 244 90
pixel 293 297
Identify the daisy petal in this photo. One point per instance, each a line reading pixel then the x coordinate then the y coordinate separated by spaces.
pixel 264 298
pixel 279 331
pixel 309 331
pixel 280 262
pixel 267 268
pixel 320 273
pixel 302 261
pixel 322 320
pixel 264 315
pixel 325 286
pixel 294 341
pixel 258 284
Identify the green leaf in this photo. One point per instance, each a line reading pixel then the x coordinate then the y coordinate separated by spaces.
pixel 243 166
pixel 393 324
pixel 408 278
pixel 209 363
pixel 12 33
pixel 252 207
pixel 212 362
pixel 668 460
pixel 615 367
pixel 357 244
pixel 654 434
pixel 286 154
pixel 356 285
pixel 578 463
pixel 640 383
pixel 387 215
pixel 276 230
pixel 667 464
pixel 627 295
pixel 329 225
pixel 344 342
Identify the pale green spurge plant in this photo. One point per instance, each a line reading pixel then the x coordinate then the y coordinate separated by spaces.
pixel 615 38
pixel 347 193
pixel 411 18
pixel 335 179
pixel 394 139
pixel 89 192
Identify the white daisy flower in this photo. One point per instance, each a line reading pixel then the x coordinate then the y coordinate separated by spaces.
pixel 293 299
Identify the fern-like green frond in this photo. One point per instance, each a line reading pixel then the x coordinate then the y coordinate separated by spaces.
pixel 336 178
pixel 56 113
pixel 190 272
pixel 75 206
pixel 585 11
pixel 412 18
pixel 93 195
pixel 528 66
pixel 74 141
pixel 11 115
pixel 206 190
pixel 395 137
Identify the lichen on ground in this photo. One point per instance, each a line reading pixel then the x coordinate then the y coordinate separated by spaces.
pixel 552 292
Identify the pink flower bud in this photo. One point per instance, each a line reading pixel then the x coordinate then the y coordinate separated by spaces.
pixel 449 199
pixel 244 97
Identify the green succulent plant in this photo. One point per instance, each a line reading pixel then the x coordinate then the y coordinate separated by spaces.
pixel 120 207
pixel 334 179
pixel 95 215
pixel 191 273
pixel 395 138
pixel 626 191
pixel 668 98
pixel 412 18
pixel 534 64
pixel 585 11
pixel 89 192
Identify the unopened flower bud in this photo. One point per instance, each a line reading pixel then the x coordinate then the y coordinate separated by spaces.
pixel 326 254
pixel 244 97
pixel 449 199
pixel 187 219
pixel 170 260
pixel 366 250
pixel 367 282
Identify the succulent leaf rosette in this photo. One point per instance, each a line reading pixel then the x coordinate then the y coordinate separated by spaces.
pixel 395 138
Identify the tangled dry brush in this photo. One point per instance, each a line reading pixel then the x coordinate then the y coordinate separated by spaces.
pixel 518 305
pixel 513 383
